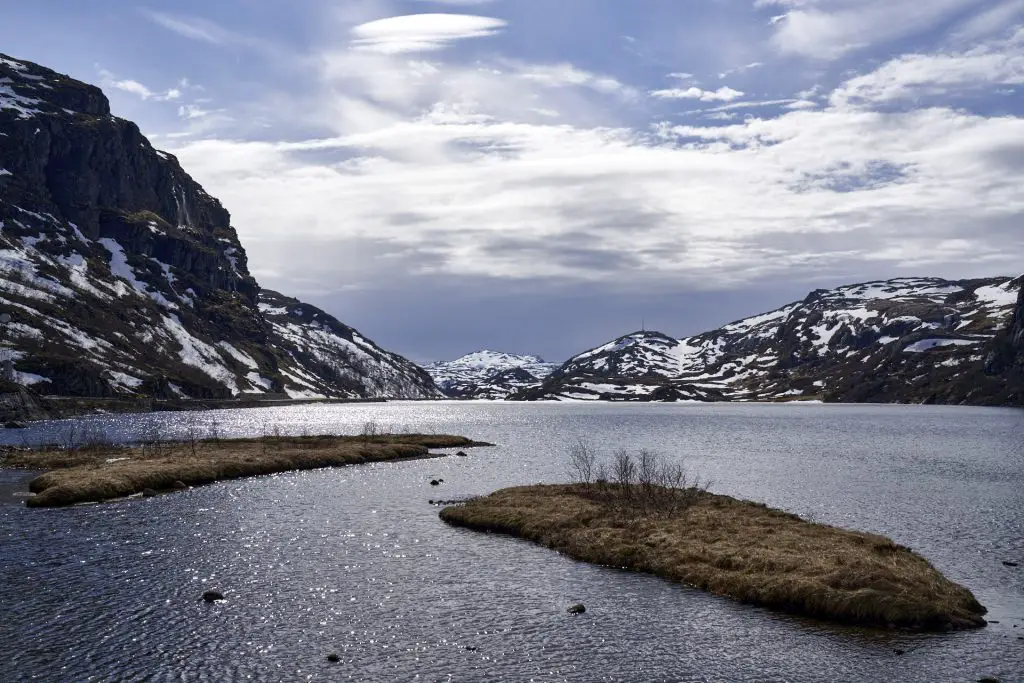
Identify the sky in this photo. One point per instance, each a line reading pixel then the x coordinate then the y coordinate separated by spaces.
pixel 541 176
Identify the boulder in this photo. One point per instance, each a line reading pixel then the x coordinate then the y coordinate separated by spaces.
pixel 576 609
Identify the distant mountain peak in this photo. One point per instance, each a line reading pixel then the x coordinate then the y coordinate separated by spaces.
pixel 488 374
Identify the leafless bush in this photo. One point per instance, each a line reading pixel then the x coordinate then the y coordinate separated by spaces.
pixel 623 469
pixel 213 430
pixel 153 440
pixel 582 461
pixel 645 483
pixel 370 429
pixel 192 435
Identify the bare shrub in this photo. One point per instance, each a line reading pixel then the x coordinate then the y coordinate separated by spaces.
pixel 623 468
pixel 642 483
pixel 213 430
pixel 582 461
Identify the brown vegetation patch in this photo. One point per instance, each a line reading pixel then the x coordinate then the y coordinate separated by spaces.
pixel 104 472
pixel 738 549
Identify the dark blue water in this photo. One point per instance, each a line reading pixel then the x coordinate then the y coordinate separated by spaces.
pixel 354 561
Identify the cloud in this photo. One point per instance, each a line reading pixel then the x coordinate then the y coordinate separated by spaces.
pixel 829 29
pixel 990 22
pixel 724 94
pixel 421 32
pixel 458 172
pixel 916 76
pixel 565 74
pixel 109 80
pixel 194 28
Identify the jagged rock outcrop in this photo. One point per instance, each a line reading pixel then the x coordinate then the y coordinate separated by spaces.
pixel 491 375
pixel 122 276
pixel 904 340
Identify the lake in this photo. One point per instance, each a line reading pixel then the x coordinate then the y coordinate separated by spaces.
pixel 354 561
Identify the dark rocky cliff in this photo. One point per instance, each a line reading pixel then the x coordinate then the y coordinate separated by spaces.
pixel 122 275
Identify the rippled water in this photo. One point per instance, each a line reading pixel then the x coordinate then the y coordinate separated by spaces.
pixel 354 561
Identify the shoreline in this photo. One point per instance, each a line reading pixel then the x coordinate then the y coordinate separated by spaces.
pixel 107 472
pixel 733 548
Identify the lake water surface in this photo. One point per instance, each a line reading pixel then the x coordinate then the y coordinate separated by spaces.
pixel 354 561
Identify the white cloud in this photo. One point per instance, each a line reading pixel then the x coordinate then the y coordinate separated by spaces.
pixel 929 75
pixel 565 74
pixel 465 168
pixel 421 32
pixel 109 80
pixel 723 94
pixel 828 29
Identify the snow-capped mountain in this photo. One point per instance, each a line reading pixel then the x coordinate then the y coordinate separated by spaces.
pixel 319 355
pixel 489 374
pixel 905 340
pixel 122 276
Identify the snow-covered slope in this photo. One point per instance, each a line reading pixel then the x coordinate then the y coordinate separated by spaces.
pixel 489 374
pixel 122 276
pixel 910 339
pixel 317 355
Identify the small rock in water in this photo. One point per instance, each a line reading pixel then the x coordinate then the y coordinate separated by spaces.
pixel 576 609
pixel 149 493
pixel 1010 564
pixel 333 658
pixel 471 648
pixel 212 596
pixel 988 679
pixel 462 454
pixel 435 482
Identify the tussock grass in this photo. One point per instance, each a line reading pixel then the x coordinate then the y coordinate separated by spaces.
pixel 98 474
pixel 738 549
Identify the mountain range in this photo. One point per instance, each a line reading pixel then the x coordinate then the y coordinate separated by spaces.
pixel 121 277
pixel 908 340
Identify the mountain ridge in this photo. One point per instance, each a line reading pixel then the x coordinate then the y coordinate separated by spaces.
pixel 899 340
pixel 123 276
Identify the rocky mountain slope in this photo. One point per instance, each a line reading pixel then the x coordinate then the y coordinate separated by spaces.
pixel 318 355
pixel 122 276
pixel 903 340
pixel 489 374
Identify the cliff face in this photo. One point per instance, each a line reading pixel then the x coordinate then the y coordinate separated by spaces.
pixel 1004 366
pixel 121 274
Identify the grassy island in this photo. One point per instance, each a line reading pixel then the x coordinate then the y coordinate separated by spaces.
pixel 734 548
pixel 104 472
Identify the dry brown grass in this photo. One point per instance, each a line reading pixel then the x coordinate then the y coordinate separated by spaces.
pixel 103 473
pixel 737 549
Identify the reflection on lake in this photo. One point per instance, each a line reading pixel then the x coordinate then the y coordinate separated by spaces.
pixel 354 560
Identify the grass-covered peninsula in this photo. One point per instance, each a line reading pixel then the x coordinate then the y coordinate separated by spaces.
pixel 734 548
pixel 101 472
